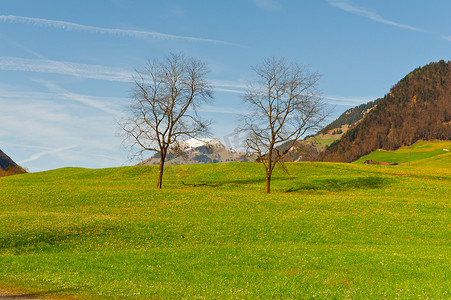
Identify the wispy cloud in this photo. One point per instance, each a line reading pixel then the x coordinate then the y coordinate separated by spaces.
pixel 63 25
pixel 371 15
pixel 65 68
pixel 228 87
pixel 103 104
pixel 218 89
pixel 269 5
pixel 349 101
pixel 229 84
pixel 45 133
pixel 220 109
pixel 345 6
pixel 89 71
pixel 40 154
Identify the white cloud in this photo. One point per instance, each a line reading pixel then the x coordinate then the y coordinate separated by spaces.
pixel 108 31
pixel 370 15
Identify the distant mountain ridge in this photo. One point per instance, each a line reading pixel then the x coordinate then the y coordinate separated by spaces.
pixel 417 108
pixel 198 151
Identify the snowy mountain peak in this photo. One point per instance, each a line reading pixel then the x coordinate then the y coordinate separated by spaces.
pixel 198 150
pixel 197 142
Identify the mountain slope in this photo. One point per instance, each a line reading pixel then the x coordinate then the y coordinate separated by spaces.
pixel 6 162
pixel 198 151
pixel 417 108
pixel 8 166
pixel 309 148
pixel 351 116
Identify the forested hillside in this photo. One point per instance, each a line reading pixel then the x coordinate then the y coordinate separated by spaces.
pixel 352 115
pixel 417 108
pixel 8 166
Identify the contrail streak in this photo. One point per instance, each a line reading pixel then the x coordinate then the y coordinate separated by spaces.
pixel 109 31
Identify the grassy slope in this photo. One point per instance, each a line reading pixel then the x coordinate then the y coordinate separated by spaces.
pixel 323 141
pixel 327 230
pixel 427 154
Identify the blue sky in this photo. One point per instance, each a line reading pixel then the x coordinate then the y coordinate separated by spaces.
pixel 65 66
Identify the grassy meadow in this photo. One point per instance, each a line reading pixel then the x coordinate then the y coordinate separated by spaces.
pixel 422 154
pixel 327 231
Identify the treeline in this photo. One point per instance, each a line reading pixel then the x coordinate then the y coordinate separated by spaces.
pixel 417 108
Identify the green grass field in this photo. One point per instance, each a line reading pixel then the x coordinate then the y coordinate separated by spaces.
pixel 328 231
pixel 422 154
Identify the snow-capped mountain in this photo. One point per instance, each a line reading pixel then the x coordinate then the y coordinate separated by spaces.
pixel 196 143
pixel 198 151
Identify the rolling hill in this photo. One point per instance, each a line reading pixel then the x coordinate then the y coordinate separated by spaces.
pixel 417 108
pixel 328 231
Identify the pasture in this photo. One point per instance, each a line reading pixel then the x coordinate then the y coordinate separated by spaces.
pixel 422 154
pixel 327 230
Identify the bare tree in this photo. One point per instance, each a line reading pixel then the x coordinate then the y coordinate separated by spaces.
pixel 284 106
pixel 163 106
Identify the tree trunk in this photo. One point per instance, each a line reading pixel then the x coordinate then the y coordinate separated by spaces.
pixel 268 182
pixel 269 168
pixel 160 172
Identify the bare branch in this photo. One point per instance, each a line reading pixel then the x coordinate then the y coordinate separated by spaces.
pixel 285 105
pixel 163 105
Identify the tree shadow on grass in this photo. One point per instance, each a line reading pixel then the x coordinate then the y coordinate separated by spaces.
pixel 238 182
pixel 342 184
pixel 37 295
pixel 318 185
pixel 46 239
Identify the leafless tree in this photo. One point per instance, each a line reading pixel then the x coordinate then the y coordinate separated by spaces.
pixel 163 106
pixel 284 105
